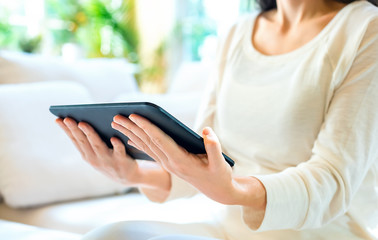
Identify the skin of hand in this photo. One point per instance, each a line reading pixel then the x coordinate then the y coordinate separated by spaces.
pixel 115 163
pixel 209 173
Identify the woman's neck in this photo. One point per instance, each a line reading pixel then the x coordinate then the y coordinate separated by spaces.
pixel 291 13
pixel 293 24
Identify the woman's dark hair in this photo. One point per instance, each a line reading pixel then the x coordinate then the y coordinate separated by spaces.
pixel 266 5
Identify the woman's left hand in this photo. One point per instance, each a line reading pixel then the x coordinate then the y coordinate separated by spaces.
pixel 209 173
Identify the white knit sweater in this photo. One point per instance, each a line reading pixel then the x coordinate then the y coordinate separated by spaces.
pixel 306 124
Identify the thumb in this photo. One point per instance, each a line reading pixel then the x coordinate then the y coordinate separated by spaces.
pixel 212 146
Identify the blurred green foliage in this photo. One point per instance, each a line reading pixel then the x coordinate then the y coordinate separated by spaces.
pixel 30 45
pixel 103 28
pixel 14 38
pixel 6 34
pixel 107 28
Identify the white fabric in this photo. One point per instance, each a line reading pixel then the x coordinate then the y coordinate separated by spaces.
pixel 11 230
pixel 104 78
pixel 38 162
pixel 184 96
pixel 23 68
pixel 190 77
pixel 84 215
pixel 183 106
pixel 306 124
pixel 146 230
pixel 181 237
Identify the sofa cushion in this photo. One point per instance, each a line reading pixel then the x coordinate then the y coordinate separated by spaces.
pixel 191 77
pixel 25 68
pixel 11 230
pixel 84 215
pixel 183 106
pixel 104 78
pixel 38 163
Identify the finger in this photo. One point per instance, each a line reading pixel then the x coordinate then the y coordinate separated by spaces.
pixel 128 134
pixel 137 147
pixel 80 138
pixel 97 144
pixel 158 137
pixel 212 146
pixel 140 138
pixel 68 132
pixel 138 143
pixel 124 164
pixel 63 126
pixel 133 145
pixel 119 148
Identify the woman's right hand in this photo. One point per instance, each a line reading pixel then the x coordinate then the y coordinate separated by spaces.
pixel 114 163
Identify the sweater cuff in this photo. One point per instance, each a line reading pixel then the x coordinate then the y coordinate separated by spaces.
pixel 180 189
pixel 287 202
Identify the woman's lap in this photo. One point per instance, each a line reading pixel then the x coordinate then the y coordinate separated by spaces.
pixel 149 230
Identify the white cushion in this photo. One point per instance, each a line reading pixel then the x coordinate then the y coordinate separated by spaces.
pixel 85 215
pixel 25 68
pixel 183 106
pixel 11 230
pixel 185 94
pixel 38 163
pixel 104 78
pixel 191 77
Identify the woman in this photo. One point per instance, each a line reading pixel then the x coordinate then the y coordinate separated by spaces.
pixel 295 104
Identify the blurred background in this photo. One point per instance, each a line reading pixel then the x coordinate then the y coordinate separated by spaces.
pixel 155 35
pixel 59 52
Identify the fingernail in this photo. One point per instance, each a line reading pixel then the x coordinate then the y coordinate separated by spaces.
pixel 115 119
pixel 82 128
pixel 206 131
pixel 132 118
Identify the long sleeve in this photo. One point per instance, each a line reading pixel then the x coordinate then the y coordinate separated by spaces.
pixel 316 192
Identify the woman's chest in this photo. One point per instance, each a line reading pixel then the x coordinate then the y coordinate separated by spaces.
pixel 280 107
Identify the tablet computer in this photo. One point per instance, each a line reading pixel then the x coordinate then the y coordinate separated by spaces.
pixel 100 117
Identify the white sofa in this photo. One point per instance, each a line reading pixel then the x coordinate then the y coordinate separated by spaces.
pixel 47 191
